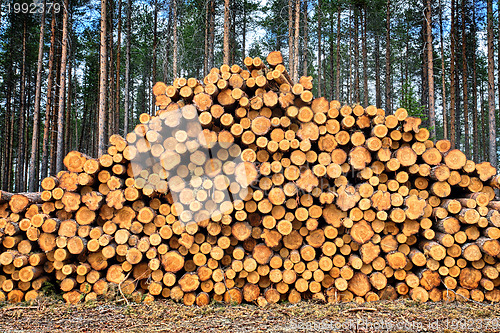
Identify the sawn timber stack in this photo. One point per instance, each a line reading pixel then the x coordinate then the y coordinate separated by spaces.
pixel 303 198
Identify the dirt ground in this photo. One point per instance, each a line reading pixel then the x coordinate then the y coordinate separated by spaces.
pixel 49 315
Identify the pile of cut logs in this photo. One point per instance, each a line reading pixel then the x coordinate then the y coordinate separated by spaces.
pixel 246 188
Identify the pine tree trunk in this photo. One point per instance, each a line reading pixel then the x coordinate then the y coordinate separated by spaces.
pixel 365 57
pixel 388 87
pixel 50 79
pixel 306 41
pixel 174 32
pixel 33 177
pixel 207 29
pixel 232 33
pixel 62 90
pixel 118 60
pixel 356 56
pixel 126 106
pixel 452 75
pixel 291 59
pixel 296 41
pixel 337 57
pixel 464 84
pixel 67 108
pixel 443 74
pixel 22 111
pixel 378 96
pixel 491 89
pixel 155 46
pixel 319 48
pixel 332 67
pixel 110 77
pixel 475 143
pixel 430 70
pixel 226 55
pixel 211 40
pixel 101 145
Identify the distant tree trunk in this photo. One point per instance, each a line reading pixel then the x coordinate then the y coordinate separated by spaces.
pixel 232 32
pixel 67 107
pixel 464 84
pixel 424 87
pixel 101 145
pixel 331 52
pixel 475 144
pixel 365 56
pixel 443 73
pixel 306 41
pixel 452 75
pixel 174 32
pixel 207 29
pixel 290 36
pixel 388 88
pixel 50 79
pixel 211 39
pixel 491 88
pixel 357 93
pixel 430 70
pixel 244 31
pixel 118 59
pixel 33 177
pixel 337 58
pixel 319 48
pixel 126 105
pixel 226 33
pixel 378 96
pixel 484 126
pixel 296 42
pixel 22 107
pixel 62 87
pixel 155 45
pixel 350 86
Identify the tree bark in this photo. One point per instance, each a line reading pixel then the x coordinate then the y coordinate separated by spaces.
pixel 388 106
pixel 378 96
pixel 33 177
pixel 118 60
pixel 464 84
pixel 207 29
pixel 337 57
pixel 155 45
pixel 50 79
pixel 430 70
pixel 452 75
pixel 306 41
pixel 22 103
pixel 244 30
pixel 226 33
pixel 291 59
pixel 491 88
pixel 475 143
pixel 356 56
pixel 62 92
pixel 443 73
pixel 174 27
pixel 296 41
pixel 365 57
pixel 211 35
pixel 101 145
pixel 126 105
pixel 319 48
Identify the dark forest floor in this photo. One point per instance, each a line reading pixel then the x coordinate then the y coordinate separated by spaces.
pixel 50 315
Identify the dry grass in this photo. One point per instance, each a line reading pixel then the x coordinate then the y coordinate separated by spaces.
pixel 51 315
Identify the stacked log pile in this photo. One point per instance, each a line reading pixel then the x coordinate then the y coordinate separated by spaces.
pixel 246 188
